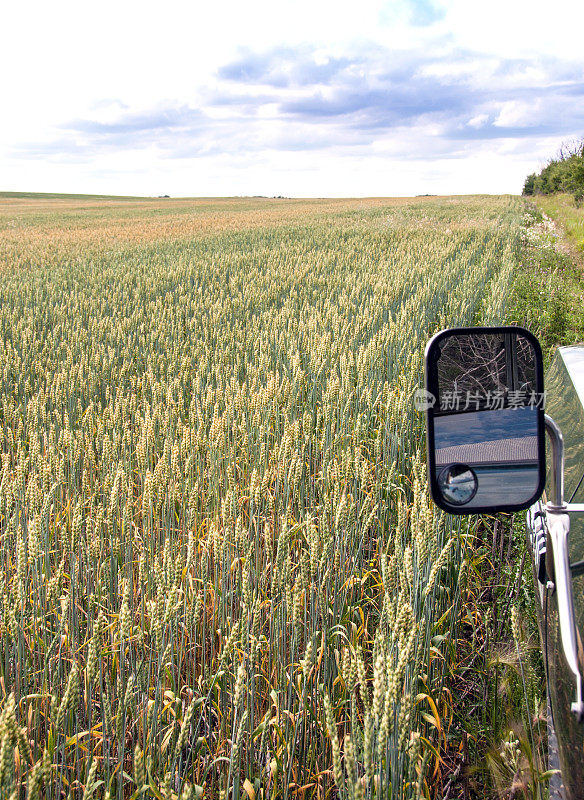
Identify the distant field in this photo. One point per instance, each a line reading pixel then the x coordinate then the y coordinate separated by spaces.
pixel 221 574
pixel 39 196
pixel 64 226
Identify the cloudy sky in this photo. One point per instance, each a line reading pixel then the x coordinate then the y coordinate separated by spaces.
pixel 287 97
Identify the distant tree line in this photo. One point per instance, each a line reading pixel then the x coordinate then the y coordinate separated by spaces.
pixel 565 173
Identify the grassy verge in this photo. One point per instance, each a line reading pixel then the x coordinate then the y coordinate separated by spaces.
pixel 570 217
pixel 548 287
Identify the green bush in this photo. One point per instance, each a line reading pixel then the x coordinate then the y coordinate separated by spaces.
pixel 565 173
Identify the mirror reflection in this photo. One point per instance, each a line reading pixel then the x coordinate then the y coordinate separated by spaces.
pixel 458 483
pixel 486 420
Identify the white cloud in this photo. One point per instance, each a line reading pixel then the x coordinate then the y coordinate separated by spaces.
pixel 517 113
pixel 309 97
pixel 478 121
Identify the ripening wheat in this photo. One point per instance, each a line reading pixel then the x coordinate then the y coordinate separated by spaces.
pixel 221 572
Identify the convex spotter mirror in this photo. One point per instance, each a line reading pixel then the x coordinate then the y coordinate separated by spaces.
pixel 485 419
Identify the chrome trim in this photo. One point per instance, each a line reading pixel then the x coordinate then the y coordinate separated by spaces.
pixel 559 529
pixel 558 523
pixel 575 508
pixel 537 531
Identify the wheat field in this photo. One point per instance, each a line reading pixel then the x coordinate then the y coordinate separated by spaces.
pixel 221 574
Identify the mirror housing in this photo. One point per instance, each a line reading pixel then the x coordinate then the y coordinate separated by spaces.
pixel 484 403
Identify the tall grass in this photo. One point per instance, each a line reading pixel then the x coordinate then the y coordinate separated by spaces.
pixel 221 575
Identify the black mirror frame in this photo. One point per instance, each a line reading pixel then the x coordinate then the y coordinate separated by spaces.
pixel 430 383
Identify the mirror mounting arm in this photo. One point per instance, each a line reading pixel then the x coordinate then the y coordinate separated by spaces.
pixel 557 442
pixel 559 529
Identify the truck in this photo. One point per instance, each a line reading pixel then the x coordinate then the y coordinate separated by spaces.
pixel 499 439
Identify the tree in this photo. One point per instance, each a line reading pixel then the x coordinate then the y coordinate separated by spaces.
pixel 529 185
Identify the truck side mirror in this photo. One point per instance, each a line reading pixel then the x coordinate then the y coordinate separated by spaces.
pixel 485 419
